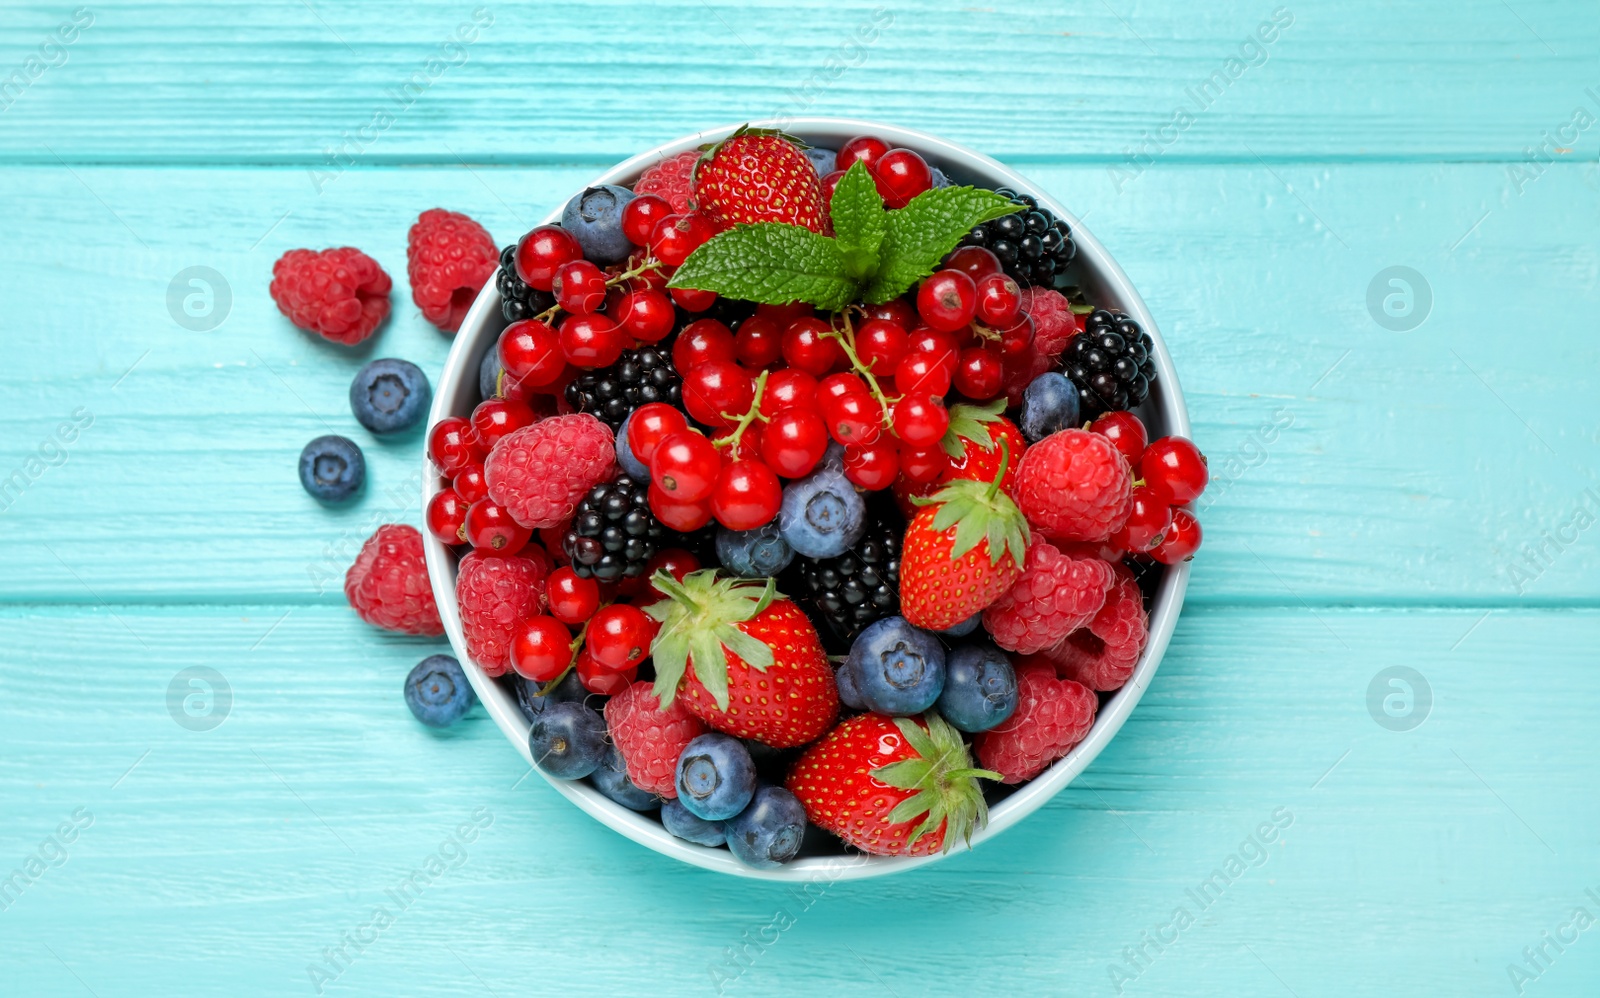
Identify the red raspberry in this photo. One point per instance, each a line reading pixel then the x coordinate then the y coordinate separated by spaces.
pixel 449 258
pixel 388 584
pixel 339 294
pixel 1054 326
pixel 496 594
pixel 1102 655
pixel 649 738
pixel 1055 596
pixel 540 472
pixel 1052 716
pixel 671 179
pixel 1075 486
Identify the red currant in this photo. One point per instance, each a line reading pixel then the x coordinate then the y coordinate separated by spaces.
pixel 542 251
pixel 646 315
pixel 830 183
pixel 701 341
pixel 1017 338
pixel 541 649
pixel 685 467
pixel 1175 466
pixel 979 374
pixel 530 353
pixel 865 149
pixel 495 418
pixel 1149 516
pixel 599 680
pixel 491 530
pixel 1125 432
pixel 923 467
pixel 807 347
pixel 579 287
pixel 619 636
pixel 947 300
pixel 573 599
pixel 453 444
pixel 717 392
pixel 924 372
pixel 853 418
pixel 788 388
pixel 999 300
pixel 676 562
pixel 747 449
pixel 836 386
pixel 920 420
pixel 759 342
pixel 469 484
pixel 872 466
pixel 794 441
pixel 747 496
pixel 676 236
pixel 591 340
pixel 676 514
pixel 693 299
pixel 900 312
pixel 447 511
pixel 640 216
pixel 925 340
pixel 901 175
pixel 881 344
pixel 977 262
pixel 1182 540
pixel 652 423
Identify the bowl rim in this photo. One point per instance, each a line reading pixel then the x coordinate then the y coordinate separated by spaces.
pixel 461 369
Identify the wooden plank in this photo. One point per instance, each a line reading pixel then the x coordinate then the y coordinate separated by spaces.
pixel 1352 461
pixel 261 842
pixel 552 82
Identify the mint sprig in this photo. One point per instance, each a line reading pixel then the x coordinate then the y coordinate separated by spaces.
pixel 874 256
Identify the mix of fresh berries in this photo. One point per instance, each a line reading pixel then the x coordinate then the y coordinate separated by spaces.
pixel 775 401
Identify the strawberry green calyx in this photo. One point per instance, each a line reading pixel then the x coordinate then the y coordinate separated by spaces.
pixel 943 778
pixel 971 422
pixel 700 621
pixel 981 511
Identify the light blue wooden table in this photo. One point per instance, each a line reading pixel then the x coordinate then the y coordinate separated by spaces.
pixel 1405 476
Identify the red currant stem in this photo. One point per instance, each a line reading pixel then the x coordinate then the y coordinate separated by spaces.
pixel 986 333
pixel 750 416
pixel 650 263
pixel 575 647
pixel 847 341
pixel 548 314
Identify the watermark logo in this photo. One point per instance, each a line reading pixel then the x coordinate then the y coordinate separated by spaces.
pixel 199 698
pixel 199 299
pixel 47 55
pixel 1399 698
pixel 1399 299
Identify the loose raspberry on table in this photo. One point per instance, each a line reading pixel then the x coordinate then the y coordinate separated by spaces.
pixel 449 258
pixel 1102 655
pixel 1075 486
pixel 1052 716
pixel 540 472
pixel 1055 596
pixel 340 294
pixel 494 595
pixel 671 179
pixel 388 584
pixel 649 738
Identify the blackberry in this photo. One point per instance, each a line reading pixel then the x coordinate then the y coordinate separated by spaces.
pixel 860 586
pixel 1033 245
pixel 517 300
pixel 1110 363
pixel 639 376
pixel 613 532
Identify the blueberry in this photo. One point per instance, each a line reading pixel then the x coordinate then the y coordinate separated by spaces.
pixel 715 777
pixel 332 468
pixel 833 457
pixel 754 554
pixel 634 467
pixel 896 669
pixel 532 704
pixel 681 822
pixel 980 687
pixel 611 779
pixel 825 160
pixel 847 689
pixel 964 628
pixel 489 374
pixel 939 178
pixel 390 395
pixel 594 217
pixel 1049 404
pixel 568 740
pixel 822 514
pixel 768 833
pixel 437 691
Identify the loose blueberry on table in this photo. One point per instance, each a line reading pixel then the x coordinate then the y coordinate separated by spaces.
pixel 771 402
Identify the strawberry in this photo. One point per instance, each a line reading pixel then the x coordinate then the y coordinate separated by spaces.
pixel 871 777
pixel 759 175
pixel 963 550
pixel 972 442
pixel 742 658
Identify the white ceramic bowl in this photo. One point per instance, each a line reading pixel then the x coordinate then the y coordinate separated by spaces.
pixel 1104 285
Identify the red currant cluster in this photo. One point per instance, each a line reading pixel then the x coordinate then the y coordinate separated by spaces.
pixel 463 511
pixel 899 174
pixel 1171 473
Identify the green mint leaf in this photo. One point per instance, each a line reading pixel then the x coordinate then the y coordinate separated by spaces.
pixel 770 263
pixel 921 233
pixel 859 221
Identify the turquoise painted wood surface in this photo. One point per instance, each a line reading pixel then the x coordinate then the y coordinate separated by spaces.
pixel 1382 498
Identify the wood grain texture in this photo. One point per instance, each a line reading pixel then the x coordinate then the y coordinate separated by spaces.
pixel 1416 863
